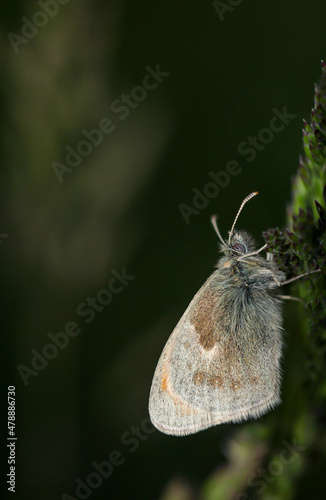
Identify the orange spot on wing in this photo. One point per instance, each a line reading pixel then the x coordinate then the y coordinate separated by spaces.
pixel 164 384
pixel 182 407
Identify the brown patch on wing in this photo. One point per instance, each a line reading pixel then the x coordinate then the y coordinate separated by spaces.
pixel 254 380
pixel 199 378
pixel 203 318
pixel 235 385
pixel 215 381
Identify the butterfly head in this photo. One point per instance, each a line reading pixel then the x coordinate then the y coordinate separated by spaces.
pixel 240 244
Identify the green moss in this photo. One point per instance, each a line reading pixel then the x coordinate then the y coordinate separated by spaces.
pixel 302 248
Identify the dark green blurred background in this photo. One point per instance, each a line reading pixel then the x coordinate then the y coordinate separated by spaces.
pixel 119 208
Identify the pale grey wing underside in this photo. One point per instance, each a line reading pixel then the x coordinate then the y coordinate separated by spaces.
pixel 194 388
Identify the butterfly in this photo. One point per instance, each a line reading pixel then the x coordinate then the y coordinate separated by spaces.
pixel 222 361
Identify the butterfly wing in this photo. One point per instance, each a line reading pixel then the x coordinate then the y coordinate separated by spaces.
pixel 220 364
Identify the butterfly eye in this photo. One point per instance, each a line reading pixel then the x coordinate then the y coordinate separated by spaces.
pixel 239 248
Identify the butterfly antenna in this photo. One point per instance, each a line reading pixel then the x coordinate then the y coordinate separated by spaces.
pixel 251 195
pixel 214 224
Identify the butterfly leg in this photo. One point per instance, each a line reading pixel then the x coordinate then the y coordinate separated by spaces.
pixel 252 253
pixel 289 297
pixel 281 283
